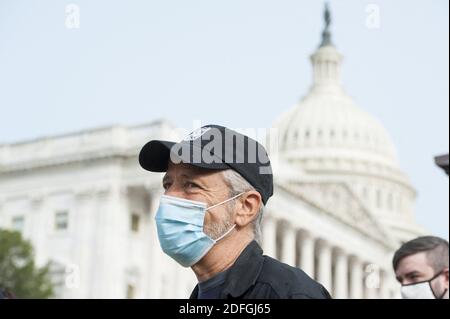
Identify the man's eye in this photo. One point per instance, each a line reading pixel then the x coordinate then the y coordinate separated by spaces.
pixel 414 277
pixel 166 185
pixel 191 185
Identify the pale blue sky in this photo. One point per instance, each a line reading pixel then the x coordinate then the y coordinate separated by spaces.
pixel 239 63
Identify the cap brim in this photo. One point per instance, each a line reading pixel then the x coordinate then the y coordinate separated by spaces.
pixel 155 157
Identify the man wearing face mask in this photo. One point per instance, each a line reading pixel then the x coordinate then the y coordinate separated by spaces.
pixel 216 184
pixel 421 267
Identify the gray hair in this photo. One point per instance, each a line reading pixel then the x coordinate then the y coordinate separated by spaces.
pixel 237 185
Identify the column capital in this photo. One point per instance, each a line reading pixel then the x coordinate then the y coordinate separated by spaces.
pixel 84 192
pixel 303 233
pixel 340 252
pixel 287 227
pixel 355 260
pixel 323 244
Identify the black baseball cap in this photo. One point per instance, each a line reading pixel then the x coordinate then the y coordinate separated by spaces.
pixel 214 147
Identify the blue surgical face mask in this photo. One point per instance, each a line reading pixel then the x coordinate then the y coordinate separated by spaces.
pixel 179 223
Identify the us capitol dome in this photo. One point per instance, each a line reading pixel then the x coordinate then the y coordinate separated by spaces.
pixel 328 136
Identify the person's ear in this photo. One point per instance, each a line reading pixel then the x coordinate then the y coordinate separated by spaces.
pixel 247 208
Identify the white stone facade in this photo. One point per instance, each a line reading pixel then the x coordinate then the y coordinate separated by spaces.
pixel 95 179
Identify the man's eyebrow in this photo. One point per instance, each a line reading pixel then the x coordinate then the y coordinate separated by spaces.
pixel 414 272
pixel 408 274
pixel 192 175
pixel 184 175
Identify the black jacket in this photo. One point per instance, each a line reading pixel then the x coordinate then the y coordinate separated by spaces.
pixel 256 276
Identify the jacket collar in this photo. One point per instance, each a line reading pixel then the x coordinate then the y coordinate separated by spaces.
pixel 242 274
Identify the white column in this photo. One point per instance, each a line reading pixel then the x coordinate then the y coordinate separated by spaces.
pixel 270 236
pixel 384 285
pixel 341 276
pixel 289 245
pixel 82 257
pixel 157 255
pixel 324 267
pixel 372 281
pixel 110 243
pixel 99 251
pixel 356 279
pixel 119 230
pixel 307 253
pixel 39 229
pixel 394 291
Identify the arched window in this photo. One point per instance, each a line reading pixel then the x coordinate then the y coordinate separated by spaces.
pixel 400 203
pixel 307 134
pixel 364 193
pixel 319 133
pixel 390 201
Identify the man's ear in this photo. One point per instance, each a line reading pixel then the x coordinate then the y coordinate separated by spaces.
pixel 247 208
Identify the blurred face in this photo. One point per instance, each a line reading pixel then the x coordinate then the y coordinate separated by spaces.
pixel 202 185
pixel 415 268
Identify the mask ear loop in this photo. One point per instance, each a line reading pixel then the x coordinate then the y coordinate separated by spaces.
pixel 432 290
pixel 442 296
pixel 226 233
pixel 225 201
pixel 234 226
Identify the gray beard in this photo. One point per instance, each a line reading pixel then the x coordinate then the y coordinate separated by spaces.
pixel 216 230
